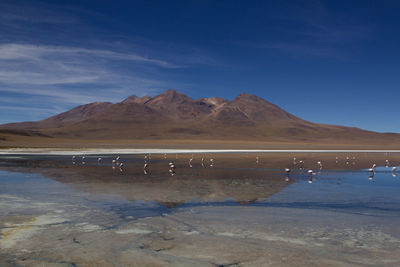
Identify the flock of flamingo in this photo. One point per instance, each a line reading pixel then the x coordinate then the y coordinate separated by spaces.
pixel 117 163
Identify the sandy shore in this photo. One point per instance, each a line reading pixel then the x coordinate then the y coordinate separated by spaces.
pixel 98 151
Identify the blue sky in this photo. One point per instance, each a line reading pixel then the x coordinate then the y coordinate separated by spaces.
pixel 333 62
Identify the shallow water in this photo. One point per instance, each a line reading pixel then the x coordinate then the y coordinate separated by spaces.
pixel 238 211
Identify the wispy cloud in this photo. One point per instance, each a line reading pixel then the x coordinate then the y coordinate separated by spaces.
pixel 71 54
pixel 46 70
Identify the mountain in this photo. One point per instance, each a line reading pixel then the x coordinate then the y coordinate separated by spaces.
pixel 173 115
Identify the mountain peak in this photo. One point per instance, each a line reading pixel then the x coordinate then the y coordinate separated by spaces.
pixel 247 96
pixel 171 93
pixel 169 96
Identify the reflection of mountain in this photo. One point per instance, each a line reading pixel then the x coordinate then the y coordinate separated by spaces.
pixel 174 115
pixel 198 184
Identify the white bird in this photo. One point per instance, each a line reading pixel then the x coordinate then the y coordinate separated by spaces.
pixel 319 163
pixel 99 160
pixel 257 159
pixel 120 166
pixel 145 166
pixel 371 170
pixel 394 169
pixel 190 162
pixel 287 170
pixel 301 164
pixel 212 162
pixel 83 159
pixel 310 171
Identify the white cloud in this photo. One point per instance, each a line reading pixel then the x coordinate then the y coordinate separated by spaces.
pixel 78 75
pixel 40 53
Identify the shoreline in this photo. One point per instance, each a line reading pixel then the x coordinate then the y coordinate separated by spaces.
pixel 97 151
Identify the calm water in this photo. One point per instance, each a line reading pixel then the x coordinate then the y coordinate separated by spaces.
pixel 96 199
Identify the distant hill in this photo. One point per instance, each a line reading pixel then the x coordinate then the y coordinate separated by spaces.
pixel 173 115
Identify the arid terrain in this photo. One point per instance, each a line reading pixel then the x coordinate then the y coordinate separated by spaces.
pixel 173 119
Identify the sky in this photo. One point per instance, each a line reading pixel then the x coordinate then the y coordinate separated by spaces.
pixel 334 62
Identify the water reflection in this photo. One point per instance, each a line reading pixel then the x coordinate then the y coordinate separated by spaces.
pixel 161 205
pixel 189 179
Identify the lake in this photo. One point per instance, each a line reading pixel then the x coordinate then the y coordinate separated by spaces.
pixel 208 209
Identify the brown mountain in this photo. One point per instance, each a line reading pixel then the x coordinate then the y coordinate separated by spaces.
pixel 173 115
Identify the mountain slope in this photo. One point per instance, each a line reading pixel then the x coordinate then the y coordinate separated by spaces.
pixel 173 115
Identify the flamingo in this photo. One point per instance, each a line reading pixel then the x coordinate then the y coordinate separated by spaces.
pixel 171 168
pixel 301 163
pixel 319 163
pixel 190 162
pixel 212 162
pixel 113 163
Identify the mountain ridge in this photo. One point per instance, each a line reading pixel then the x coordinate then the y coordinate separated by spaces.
pixel 174 115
